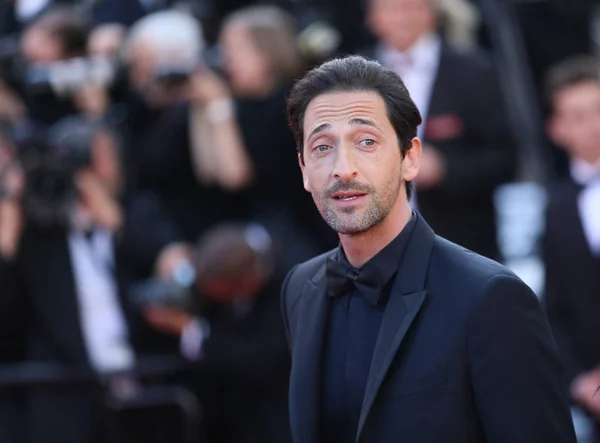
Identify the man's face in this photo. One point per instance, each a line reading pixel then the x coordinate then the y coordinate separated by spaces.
pixel 352 161
pixel 400 23
pixel 576 121
pixel 39 46
pixel 246 66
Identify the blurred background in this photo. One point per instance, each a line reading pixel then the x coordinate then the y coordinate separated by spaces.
pixel 151 202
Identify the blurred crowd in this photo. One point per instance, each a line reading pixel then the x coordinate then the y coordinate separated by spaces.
pixel 151 201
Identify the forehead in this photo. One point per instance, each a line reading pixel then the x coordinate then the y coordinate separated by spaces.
pixel 341 107
pixel 402 3
pixel 578 95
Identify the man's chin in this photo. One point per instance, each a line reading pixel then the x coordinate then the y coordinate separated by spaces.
pixel 353 227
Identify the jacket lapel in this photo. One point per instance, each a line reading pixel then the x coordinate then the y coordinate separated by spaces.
pixel 406 298
pixel 305 379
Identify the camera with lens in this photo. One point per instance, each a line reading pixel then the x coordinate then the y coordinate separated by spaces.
pixel 66 78
pixel 172 76
pixel 177 292
pixel 60 78
pixel 232 262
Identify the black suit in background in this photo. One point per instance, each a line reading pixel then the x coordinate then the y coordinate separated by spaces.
pixel 467 123
pixel 572 284
pixel 39 308
pixel 160 162
pixel 244 372
pixel 464 353
pixel 479 157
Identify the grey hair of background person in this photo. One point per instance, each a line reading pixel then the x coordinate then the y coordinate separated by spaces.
pixel 176 37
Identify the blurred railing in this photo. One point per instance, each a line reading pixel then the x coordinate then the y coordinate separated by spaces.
pixel 23 376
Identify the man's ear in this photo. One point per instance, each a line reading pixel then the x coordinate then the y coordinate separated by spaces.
pixel 410 163
pixel 304 174
pixel 555 130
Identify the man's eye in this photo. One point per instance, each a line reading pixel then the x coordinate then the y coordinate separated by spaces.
pixel 368 143
pixel 321 148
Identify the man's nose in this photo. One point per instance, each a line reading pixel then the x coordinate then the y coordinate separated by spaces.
pixel 345 168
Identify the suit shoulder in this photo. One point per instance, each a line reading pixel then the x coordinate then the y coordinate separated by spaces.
pixel 470 58
pixel 463 267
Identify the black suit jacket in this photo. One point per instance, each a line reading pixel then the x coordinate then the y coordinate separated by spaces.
pixel 572 282
pixel 467 123
pixel 244 372
pixel 39 310
pixel 464 353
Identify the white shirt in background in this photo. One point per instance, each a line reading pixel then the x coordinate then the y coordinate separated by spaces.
pixel 102 320
pixel 418 69
pixel 588 175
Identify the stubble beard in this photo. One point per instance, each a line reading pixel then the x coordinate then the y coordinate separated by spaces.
pixel 357 220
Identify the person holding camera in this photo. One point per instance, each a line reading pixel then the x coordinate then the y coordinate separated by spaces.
pixel 175 102
pixel 235 334
pixel 70 246
pixel 41 78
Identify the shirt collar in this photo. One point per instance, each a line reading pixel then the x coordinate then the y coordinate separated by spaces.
pixel 583 172
pixel 385 262
pixel 425 53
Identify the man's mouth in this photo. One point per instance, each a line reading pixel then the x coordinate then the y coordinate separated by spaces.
pixel 347 196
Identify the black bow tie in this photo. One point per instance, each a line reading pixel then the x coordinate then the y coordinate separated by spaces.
pixel 341 278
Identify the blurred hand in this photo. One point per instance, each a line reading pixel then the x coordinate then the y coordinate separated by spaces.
pixel 583 389
pixel 206 86
pixel 11 214
pixel 431 168
pixel 93 101
pixel 105 210
pixel 12 107
pixel 167 319
pixel 169 258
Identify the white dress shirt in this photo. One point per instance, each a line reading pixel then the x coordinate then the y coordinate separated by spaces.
pixel 588 175
pixel 418 67
pixel 103 323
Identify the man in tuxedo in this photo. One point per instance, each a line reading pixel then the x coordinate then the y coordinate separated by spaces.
pixel 571 241
pixel 399 334
pixel 468 149
pixel 65 282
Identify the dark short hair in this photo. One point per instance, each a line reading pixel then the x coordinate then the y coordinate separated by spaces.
pixel 356 73
pixel 229 250
pixel 571 72
pixel 68 25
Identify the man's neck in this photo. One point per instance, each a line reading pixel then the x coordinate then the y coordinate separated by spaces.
pixel 584 170
pixel 360 248
pixel 410 47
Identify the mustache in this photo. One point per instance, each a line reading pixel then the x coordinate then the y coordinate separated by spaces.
pixel 348 187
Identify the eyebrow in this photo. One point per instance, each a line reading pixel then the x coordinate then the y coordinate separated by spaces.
pixel 354 122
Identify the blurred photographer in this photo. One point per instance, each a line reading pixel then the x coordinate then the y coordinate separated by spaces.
pixel 237 339
pixel 70 246
pixel 176 104
pixel 43 73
